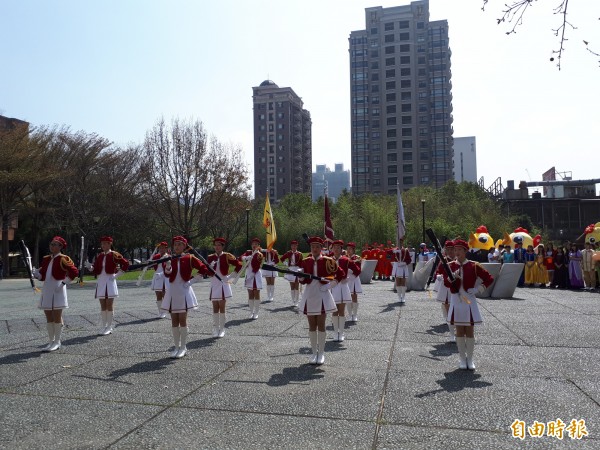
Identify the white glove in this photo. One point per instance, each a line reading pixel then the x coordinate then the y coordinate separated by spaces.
pixel 59 288
pixel 286 263
pixel 196 278
pixel 481 289
pixel 168 266
pixel 35 272
pixel 247 258
pixel 119 273
pixel 88 265
pixel 225 278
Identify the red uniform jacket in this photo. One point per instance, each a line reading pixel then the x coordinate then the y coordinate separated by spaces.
pixel 225 260
pixel 346 263
pixel 471 270
pixel 257 259
pixel 61 267
pixel 273 253
pixel 114 261
pixel 403 256
pixel 186 263
pixel 326 267
pixel 159 256
pixel 288 255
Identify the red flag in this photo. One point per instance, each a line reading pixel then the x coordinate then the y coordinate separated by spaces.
pixel 328 229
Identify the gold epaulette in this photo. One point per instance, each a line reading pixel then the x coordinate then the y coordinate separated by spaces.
pixel 330 264
pixel 66 261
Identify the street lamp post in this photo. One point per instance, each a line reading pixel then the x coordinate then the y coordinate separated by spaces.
pixel 247 228
pixel 423 209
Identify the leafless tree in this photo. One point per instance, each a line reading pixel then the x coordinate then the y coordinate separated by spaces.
pixel 193 182
pixel 514 12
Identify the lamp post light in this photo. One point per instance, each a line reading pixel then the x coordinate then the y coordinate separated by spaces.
pixel 423 210
pixel 247 227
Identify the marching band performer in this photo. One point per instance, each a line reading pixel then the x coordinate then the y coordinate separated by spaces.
pixel 159 280
pixel 317 300
pixel 179 296
pixel 292 260
pixel 341 292
pixel 470 278
pixel 401 259
pixel 270 257
pixel 443 293
pixel 354 281
pixel 56 271
pixel 220 290
pixel 108 266
pixel 253 259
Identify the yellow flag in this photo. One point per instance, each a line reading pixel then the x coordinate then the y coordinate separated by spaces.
pixel 269 224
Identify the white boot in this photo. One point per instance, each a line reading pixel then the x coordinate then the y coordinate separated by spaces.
pixel 176 341
pixel 402 293
pixel 109 321
pixel 222 325
pixel 161 313
pixel 354 311
pixel 452 332
pixel 102 322
pixel 312 335
pixel 57 334
pixel 321 337
pixel 270 292
pixel 50 328
pixel 255 309
pixel 251 306
pixel 462 352
pixel 341 328
pixel 183 333
pixel 295 293
pixel 470 345
pixel 336 328
pixel 215 332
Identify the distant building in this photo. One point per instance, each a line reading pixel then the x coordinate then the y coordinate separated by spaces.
pixel 282 142
pixel 400 100
pixel 465 159
pixel 9 123
pixel 336 181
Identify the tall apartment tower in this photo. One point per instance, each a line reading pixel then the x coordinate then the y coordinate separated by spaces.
pixel 282 142
pixel 401 100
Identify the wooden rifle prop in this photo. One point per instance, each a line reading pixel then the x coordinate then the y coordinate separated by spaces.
pixel 435 265
pixel 201 258
pixel 82 260
pixel 298 274
pixel 438 249
pixel 153 262
pixel 27 261
pixel 141 277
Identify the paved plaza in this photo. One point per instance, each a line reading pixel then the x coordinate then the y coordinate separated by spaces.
pixel 394 382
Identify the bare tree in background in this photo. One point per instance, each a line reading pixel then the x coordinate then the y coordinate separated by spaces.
pixel 192 181
pixel 514 12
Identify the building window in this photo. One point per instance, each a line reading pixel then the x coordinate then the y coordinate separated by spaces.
pixel 374 53
pixel 405 48
pixel 271 149
pixel 280 115
pixel 422 107
pixel 407 144
pixel 391 133
pixel 271 170
pixel 421 60
pixel 375 88
pixel 375 124
pixel 375 65
pixel 281 148
pixel 375 100
pixel 405 84
pixel 420 25
pixel 403 24
pixel 424 166
pixel 392 169
pixel 391 121
pixel 405 96
pixel 262 138
pixel 405 72
pixel 391 97
pixel 424 180
pixel 405 60
pixel 406 120
pixel 392 157
pixel 388 26
pixel 389 50
pixel 271 160
pixel 377 170
pixel 406 107
pixel 376 158
pixel 390 73
pixel 424 156
pixel 422 131
pixel 261 117
pixel 389 38
pixel 407 180
pixel 390 61
pixel 392 181
pixel 390 109
pixel 390 85
pixel 375 111
pixel 281 180
pixel 407 168
pixel 262 128
pixel 405 36
pixel 374 30
pixel 406 132
pixel 375 135
pixel 391 145
pixel 375 76
pixel 280 126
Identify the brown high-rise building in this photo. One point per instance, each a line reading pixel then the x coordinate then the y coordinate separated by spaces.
pixel 282 142
pixel 401 100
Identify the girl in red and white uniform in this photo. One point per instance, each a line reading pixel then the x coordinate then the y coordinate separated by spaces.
pixel 317 300
pixel 270 257
pixel 179 296
pixel 220 290
pixel 443 293
pixel 253 260
pixel 292 259
pixel 341 292
pixel 470 278
pixel 56 271
pixel 159 280
pixel 108 266
pixel 401 260
pixel 354 283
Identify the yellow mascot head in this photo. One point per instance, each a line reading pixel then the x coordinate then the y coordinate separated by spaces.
pixel 592 234
pixel 481 240
pixel 521 236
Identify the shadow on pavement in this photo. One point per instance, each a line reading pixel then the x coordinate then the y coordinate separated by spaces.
pixel 457 381
pixel 19 357
pixel 296 375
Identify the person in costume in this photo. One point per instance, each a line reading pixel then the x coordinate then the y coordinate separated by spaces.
pixel 220 290
pixel 549 260
pixel 158 284
pixel 354 283
pixel 341 292
pixel 401 265
pixel 292 259
pixel 179 296
pixel 540 272
pixel 575 272
pixel 560 277
pixel 253 260
pixel 108 266
pixel 469 278
pixel 317 301
pixel 530 266
pixel 56 271
pixel 443 293
pixel 519 255
pixel 587 265
pixel 270 257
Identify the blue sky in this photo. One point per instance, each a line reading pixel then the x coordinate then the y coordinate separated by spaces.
pixel 115 67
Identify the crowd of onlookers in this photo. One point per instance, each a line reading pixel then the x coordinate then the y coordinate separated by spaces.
pixel 564 267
